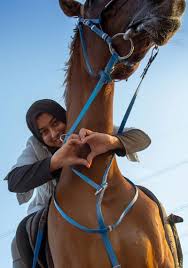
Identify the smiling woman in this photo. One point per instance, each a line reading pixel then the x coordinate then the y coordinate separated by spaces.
pixel 50 129
pixel 46 119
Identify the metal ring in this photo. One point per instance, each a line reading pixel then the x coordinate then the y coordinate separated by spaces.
pixel 62 137
pixel 112 50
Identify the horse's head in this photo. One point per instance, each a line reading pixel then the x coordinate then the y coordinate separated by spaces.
pixel 145 22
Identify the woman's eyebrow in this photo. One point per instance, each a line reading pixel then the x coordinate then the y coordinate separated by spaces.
pixel 53 119
pixel 49 123
pixel 41 129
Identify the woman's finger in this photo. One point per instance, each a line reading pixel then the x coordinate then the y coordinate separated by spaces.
pixel 89 138
pixel 84 132
pixel 74 141
pixel 81 161
pixel 73 136
pixel 90 157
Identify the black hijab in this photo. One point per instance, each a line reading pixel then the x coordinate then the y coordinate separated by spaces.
pixel 43 106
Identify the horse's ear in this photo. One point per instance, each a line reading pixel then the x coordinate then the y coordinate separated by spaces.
pixel 71 8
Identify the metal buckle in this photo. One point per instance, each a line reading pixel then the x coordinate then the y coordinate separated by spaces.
pixel 102 188
pixel 104 36
pixel 110 228
pixel 62 137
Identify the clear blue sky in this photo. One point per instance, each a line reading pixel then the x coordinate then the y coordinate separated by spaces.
pixel 34 47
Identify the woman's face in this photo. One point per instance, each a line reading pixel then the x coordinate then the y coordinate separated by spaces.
pixel 50 129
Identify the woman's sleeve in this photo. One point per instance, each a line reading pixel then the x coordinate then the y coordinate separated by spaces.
pixel 133 140
pixel 27 177
pixel 29 172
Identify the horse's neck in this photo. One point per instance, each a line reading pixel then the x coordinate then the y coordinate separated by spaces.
pixel 98 118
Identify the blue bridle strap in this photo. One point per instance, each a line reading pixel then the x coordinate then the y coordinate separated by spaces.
pixel 84 49
pixel 127 113
pixel 37 246
pixel 89 23
pixel 92 25
pixel 76 224
pixel 104 79
pixel 103 229
pixel 87 179
pixel 154 54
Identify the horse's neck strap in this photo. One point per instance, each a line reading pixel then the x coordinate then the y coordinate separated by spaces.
pixel 96 186
pixel 103 228
pixel 76 224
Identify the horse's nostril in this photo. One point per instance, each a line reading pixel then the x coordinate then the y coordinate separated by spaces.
pixel 132 31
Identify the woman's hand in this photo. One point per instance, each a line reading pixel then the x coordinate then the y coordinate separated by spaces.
pixel 67 154
pixel 99 143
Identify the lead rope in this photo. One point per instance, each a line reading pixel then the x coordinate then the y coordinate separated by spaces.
pixel 154 54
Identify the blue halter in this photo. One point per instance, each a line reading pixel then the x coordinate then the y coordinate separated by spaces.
pixel 104 78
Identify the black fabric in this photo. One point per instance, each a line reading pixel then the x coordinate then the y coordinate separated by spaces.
pixel 25 246
pixel 28 177
pixel 23 243
pixel 39 222
pixel 43 106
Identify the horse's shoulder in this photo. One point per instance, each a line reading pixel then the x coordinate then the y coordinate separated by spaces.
pixel 146 206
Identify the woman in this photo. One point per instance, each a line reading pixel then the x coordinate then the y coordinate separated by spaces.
pixel 40 164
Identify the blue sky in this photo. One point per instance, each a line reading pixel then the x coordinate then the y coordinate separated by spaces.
pixel 34 47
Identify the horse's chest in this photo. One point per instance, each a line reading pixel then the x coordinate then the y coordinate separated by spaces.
pixel 88 250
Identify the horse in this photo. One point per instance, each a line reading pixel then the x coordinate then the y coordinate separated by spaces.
pixel 139 241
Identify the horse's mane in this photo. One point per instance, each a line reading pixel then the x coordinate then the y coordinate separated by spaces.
pixel 68 65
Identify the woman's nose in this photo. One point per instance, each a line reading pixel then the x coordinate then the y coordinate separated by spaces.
pixel 53 133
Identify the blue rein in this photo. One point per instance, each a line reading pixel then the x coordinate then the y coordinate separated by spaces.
pixel 104 78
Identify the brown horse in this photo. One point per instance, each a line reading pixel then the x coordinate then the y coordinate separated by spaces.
pixel 139 241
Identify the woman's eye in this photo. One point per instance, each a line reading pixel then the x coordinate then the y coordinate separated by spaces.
pixel 55 123
pixel 44 132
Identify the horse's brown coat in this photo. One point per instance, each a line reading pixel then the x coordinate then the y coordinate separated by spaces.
pixel 139 241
